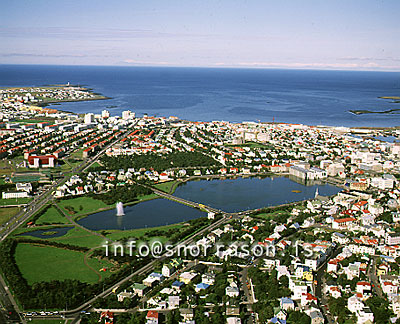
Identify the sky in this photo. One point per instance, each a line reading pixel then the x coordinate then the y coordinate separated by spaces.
pixel 303 34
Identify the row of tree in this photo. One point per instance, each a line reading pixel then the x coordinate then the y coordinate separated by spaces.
pixel 158 162
pixel 124 194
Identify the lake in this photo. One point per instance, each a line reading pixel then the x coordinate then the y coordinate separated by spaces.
pixel 234 195
pixel 152 213
pixel 53 232
pixel 230 195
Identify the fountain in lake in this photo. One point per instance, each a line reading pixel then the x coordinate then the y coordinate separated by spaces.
pixel 120 209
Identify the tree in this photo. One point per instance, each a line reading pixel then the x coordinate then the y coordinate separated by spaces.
pixel 173 317
pixel 298 318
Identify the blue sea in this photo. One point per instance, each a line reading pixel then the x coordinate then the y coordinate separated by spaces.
pixel 204 94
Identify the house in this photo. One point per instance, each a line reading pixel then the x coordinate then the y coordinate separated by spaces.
pixel 208 278
pixel 304 272
pixel 167 270
pixel 233 320
pixel 125 294
pixel 334 291
pixel 298 288
pixel 153 279
pixel 201 286
pixel 343 223
pixel 307 298
pixel 389 287
pixel 363 286
pixel 340 238
pixel 332 266
pixel 187 314
pixel 138 289
pixel 317 317
pixel 173 301
pixel 354 304
pixel 152 317
pixel 232 290
pixel 365 315
pixel 232 311
pixel 187 277
pixel 280 313
pixel 286 304
pixel 177 285
pixel 392 238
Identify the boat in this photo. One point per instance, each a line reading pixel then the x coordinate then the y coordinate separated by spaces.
pixel 296 191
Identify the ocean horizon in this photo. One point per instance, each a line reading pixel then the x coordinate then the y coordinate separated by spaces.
pixel 312 97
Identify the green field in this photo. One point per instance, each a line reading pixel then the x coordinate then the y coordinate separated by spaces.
pixel 51 216
pixel 96 165
pixel 79 237
pixel 83 205
pixel 167 186
pixel 45 263
pixel 14 201
pixel 77 154
pixel 7 213
pixel 141 232
pixel 143 198
pixel 272 215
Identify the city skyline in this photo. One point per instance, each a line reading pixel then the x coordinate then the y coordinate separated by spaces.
pixel 359 35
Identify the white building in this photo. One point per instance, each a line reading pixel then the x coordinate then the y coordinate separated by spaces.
pixel 354 304
pixel 105 114
pixel 14 194
pixel 89 118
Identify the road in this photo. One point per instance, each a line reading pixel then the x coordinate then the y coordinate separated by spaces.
pixel 319 278
pixel 8 305
pixel 374 278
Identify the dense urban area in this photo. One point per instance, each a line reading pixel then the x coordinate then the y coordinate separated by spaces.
pixel 323 259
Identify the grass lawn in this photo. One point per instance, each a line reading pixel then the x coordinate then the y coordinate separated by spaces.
pixel 14 201
pixel 44 263
pixel 77 154
pixel 5 167
pixel 166 186
pixel 51 216
pixel 83 205
pixel 80 237
pixel 96 165
pixel 143 198
pixel 141 232
pixel 7 213
pixel 69 165
pixel 271 215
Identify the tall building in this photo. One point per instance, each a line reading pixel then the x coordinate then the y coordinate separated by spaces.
pixel 89 118
pixel 127 114
pixel 105 114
